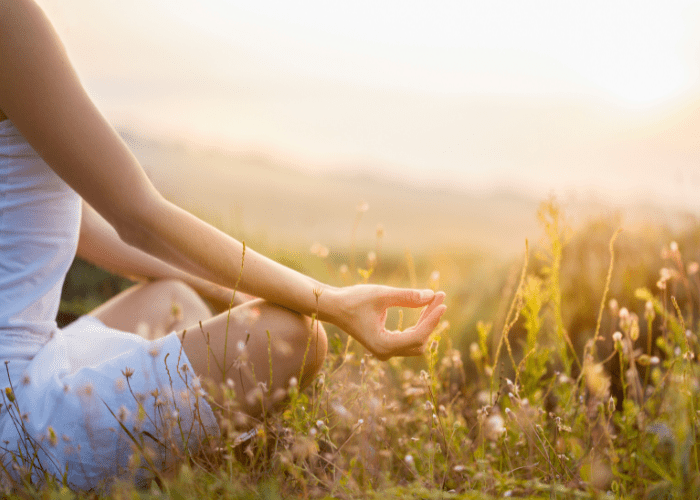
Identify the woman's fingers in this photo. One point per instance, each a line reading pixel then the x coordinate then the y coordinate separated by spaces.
pixel 410 342
pixel 437 300
pixel 402 297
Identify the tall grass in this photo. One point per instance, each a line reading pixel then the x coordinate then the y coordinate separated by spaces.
pixel 586 385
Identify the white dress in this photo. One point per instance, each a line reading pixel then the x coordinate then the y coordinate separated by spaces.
pixel 80 402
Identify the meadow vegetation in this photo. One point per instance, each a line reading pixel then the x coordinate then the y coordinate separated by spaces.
pixel 571 372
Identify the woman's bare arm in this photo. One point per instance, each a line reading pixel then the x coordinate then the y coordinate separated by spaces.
pixel 100 244
pixel 40 92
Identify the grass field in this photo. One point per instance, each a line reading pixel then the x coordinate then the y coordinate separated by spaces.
pixel 569 371
pixel 565 368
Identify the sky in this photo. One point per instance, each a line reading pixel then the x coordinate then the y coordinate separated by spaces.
pixel 589 97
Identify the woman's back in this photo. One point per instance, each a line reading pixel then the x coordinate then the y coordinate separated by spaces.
pixel 39 226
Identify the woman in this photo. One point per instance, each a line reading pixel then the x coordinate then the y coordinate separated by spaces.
pixel 78 400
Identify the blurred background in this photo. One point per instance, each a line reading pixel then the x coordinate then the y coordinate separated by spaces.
pixel 451 119
pixel 425 132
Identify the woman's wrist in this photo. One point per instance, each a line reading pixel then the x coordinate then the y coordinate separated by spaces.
pixel 330 306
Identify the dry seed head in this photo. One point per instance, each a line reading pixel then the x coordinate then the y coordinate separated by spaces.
pixel 634 327
pixel 624 314
pixel 371 258
pixel 649 312
pixel 53 438
pixel 474 352
pixel 123 413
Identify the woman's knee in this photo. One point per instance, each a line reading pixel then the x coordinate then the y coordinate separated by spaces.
pixel 177 301
pixel 315 344
pixel 297 341
pixel 154 309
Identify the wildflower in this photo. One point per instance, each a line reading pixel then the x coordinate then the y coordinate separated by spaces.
pixel 10 394
pixel 408 459
pixel 293 382
pixel 123 413
pixel 494 427
pixel 644 360
pixel 119 385
pixel 624 314
pixel 53 438
pixel 474 352
pixel 649 313
pixel 634 327
pixel 617 337
pixel 360 422
pixel 229 383
pixel 654 360
pixel 319 250
pixel 283 347
pixel 597 381
pixel 371 258
pixel 458 468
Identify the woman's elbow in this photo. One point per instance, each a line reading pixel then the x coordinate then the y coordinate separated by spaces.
pixel 136 224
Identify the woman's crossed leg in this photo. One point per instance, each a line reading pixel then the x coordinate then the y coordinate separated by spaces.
pixel 227 348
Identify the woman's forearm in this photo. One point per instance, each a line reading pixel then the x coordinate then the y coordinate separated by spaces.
pixel 100 245
pixel 179 238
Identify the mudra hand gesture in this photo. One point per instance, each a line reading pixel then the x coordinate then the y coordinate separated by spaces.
pixel 363 316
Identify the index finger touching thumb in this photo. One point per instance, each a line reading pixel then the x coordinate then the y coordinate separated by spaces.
pixel 409 298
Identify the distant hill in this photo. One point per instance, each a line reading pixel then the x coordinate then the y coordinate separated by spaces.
pixel 260 198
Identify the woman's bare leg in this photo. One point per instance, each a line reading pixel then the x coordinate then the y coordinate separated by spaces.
pixel 153 309
pixel 243 359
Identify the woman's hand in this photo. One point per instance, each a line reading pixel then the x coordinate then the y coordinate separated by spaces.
pixel 362 314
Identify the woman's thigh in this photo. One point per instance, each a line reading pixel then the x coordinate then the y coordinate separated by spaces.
pixel 236 350
pixel 153 309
